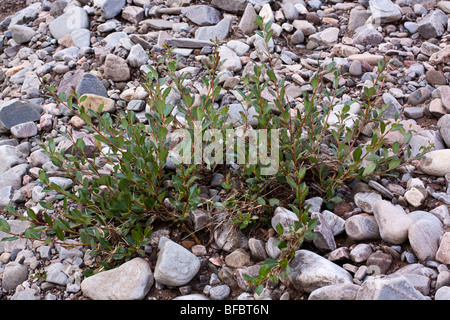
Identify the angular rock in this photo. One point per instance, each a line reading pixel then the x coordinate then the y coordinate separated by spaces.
pixel 116 68
pixel 233 6
pixel 90 84
pixel 73 19
pixel 309 271
pixel 137 57
pixel 438 55
pixel 433 24
pixel 189 43
pixel 13 177
pixel 358 17
pixel 56 275
pixel 384 11
pixel 202 15
pixel 388 288
pixel 327 37
pixel 91 148
pixel 366 200
pixel 133 14
pixel 176 266
pixel 419 96
pixel 131 281
pixel 232 61
pixel 324 234
pixel 18 112
pixel 219 31
pixel 246 24
pixel 109 8
pixel 393 222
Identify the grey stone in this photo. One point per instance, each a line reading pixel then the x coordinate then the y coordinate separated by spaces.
pixel 297 37
pixel 13 177
pixel 113 40
pixel 137 57
pixel 285 218
pixel 81 38
pixel 361 252
pixel 435 163
pixel 366 200
pixel 257 249
pixel 24 130
pixel 233 6
pixel 246 24
pixel 393 222
pixel 290 11
pixel 358 18
pixel 419 96
pixel 25 15
pixel 73 19
pixel 56 275
pixel 442 294
pixel 309 271
pixel 202 15
pixel 131 281
pixel 424 236
pixel 444 128
pixel 189 43
pixel 109 8
pixel 384 11
pixel 13 275
pixel 176 266
pixel 367 35
pixel 22 34
pixel 324 233
pixel 336 223
pixel 433 24
pixel 16 113
pixel 362 227
pixel 27 294
pixel 133 14
pixel 335 292
pixel 228 238
pixel 379 262
pixel 234 113
pixel 90 84
pixel 116 68
pixel 219 31
pixel 388 288
pixel 232 62
pixel 220 292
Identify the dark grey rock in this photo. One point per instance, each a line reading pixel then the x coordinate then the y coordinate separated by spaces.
pixel 202 15
pixel 90 84
pixel 18 112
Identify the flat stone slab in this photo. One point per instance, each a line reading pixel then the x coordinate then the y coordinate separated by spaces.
pixel 16 113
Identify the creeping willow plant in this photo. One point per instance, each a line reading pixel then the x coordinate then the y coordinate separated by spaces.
pixel 123 186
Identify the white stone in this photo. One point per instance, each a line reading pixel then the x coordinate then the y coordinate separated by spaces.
pixel 310 271
pixel 436 163
pixel 131 281
pixel 393 222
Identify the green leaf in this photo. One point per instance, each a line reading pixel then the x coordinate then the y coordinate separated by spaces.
pixel 369 169
pixel 4 225
pixel 279 228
